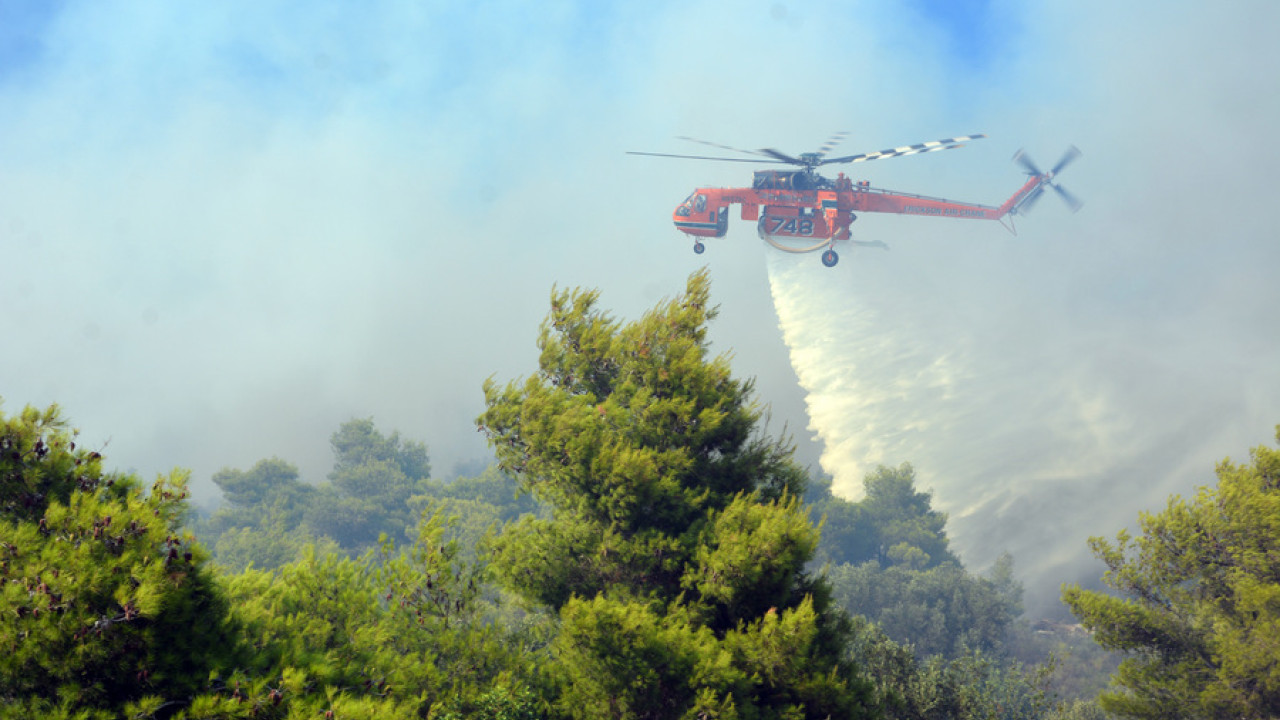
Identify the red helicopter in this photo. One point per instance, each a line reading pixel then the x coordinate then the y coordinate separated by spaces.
pixel 802 207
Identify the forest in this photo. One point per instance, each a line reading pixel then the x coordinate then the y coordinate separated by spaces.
pixel 640 547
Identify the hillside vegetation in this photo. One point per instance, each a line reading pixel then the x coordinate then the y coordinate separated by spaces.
pixel 640 548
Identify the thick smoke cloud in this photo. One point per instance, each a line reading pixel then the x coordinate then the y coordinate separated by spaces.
pixel 226 229
pixel 1048 387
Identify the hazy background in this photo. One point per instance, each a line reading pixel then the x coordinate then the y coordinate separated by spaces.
pixel 225 229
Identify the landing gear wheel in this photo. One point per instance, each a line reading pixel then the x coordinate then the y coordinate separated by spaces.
pixel 699 248
pixel 830 258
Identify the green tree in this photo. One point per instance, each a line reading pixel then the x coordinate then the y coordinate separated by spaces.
pixel 260 524
pixel 354 523
pixel 491 487
pixel 270 514
pixel 1199 613
pixel 104 604
pixel 675 540
pixel 1078 710
pixel 893 524
pixel 481 503
pixel 271 542
pixel 106 610
pixel 401 633
pixel 940 611
pixel 971 686
pixel 373 478
pixel 269 482
pixel 358 444
pixel 909 530
pixel 888 560
pixel 314 627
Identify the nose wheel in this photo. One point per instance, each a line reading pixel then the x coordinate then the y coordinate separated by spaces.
pixel 830 258
pixel 699 248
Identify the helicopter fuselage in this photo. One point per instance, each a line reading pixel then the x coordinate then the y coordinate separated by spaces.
pixel 812 212
pixel 803 204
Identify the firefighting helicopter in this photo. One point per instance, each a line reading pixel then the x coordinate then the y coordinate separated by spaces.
pixel 800 211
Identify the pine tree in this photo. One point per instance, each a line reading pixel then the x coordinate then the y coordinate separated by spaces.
pixel 676 546
pixel 1200 613
pixel 103 602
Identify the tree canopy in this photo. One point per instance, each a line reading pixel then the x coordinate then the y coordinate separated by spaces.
pixel 271 482
pixel 893 524
pixel 676 547
pixel 108 609
pixel 103 601
pixel 1198 611
pixel 641 549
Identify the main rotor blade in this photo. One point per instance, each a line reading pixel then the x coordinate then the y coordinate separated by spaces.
pixel 831 143
pixel 1021 158
pixel 931 146
pixel 783 157
pixel 716 145
pixel 1072 153
pixel 881 155
pixel 702 157
pixel 1071 200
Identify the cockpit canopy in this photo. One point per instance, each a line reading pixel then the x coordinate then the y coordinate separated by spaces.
pixel 697 202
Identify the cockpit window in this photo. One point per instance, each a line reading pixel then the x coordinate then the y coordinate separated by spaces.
pixel 699 202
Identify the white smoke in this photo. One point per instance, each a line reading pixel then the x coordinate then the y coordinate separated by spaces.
pixel 1033 432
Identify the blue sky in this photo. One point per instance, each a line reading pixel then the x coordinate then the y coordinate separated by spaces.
pixel 227 228
pixel 974 35
pixel 23 26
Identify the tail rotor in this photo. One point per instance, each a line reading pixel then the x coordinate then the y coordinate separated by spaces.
pixel 1046 179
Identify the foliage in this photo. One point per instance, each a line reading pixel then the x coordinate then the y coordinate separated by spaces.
pixel 259 525
pixel 103 602
pixel 1199 615
pixel 479 504
pixel 903 576
pixel 107 611
pixel 746 559
pixel 1082 668
pixel 401 631
pixel 357 444
pixel 968 687
pixel 941 611
pixel 40 464
pixel 893 524
pixel 1078 710
pixel 268 545
pixel 271 515
pixel 269 483
pixel 622 659
pixel 492 487
pixel 372 479
pixel 675 546
pixel 653 559
pixel 633 436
